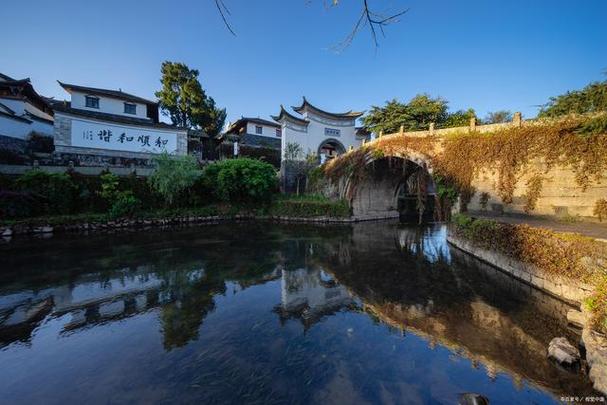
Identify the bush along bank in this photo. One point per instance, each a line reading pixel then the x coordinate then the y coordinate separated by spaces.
pixel 178 192
pixel 545 258
pixel 283 210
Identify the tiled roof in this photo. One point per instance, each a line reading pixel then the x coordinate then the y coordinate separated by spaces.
pixel 119 94
pixel 66 108
pixel 305 104
pixel 285 114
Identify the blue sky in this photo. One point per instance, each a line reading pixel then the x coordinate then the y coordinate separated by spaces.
pixel 484 54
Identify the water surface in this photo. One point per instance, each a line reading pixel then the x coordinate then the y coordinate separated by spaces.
pixel 261 313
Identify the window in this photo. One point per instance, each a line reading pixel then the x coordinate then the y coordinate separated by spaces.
pixel 91 102
pixel 278 132
pixel 258 130
pixel 332 132
pixel 130 108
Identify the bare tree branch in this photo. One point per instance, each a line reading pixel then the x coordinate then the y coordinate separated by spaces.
pixel 375 21
pixel 223 10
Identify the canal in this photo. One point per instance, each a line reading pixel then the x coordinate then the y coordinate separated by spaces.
pixel 265 313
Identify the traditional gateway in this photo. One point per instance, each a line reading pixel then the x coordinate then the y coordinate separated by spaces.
pixel 319 132
pixel 102 127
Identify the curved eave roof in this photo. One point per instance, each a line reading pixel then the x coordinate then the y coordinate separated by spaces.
pixel 284 115
pixel 306 105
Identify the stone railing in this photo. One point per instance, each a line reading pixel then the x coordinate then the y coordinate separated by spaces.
pixel 517 121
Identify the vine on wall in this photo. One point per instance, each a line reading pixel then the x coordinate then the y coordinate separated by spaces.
pixel 577 142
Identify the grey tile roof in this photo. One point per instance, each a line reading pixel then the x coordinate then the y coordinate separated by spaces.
pixel 66 108
pixel 119 94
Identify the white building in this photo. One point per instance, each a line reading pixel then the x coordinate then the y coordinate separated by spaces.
pixel 101 126
pixel 319 132
pixel 22 111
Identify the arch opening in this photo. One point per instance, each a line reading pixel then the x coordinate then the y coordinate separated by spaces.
pixel 330 149
pixel 395 187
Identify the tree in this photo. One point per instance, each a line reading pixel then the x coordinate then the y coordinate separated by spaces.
pixel 460 118
pixel 185 102
pixel 173 175
pixel 498 117
pixel 415 115
pixel 592 98
pixel 298 165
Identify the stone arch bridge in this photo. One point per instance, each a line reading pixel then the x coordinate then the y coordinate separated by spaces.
pixel 392 161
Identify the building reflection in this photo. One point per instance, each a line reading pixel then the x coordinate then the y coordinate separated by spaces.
pixel 405 277
pixel 309 294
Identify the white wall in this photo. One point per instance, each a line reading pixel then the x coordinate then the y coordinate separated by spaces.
pixel 111 136
pixel 107 105
pixel 315 135
pixel 267 130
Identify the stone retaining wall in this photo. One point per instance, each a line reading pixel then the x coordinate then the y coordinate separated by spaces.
pixel 42 228
pixel 595 344
pixel 565 289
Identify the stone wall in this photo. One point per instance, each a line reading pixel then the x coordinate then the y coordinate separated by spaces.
pixel 565 289
pixel 560 195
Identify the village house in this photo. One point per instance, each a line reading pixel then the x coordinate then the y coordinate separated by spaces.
pixel 255 132
pixel 22 112
pixel 112 127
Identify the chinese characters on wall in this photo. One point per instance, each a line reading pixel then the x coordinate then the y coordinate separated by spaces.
pixel 113 137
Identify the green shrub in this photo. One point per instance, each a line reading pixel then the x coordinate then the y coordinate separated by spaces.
pixel 174 175
pixel 241 181
pixel 125 205
pixel 109 186
pixel 141 189
pixel 87 195
pixel 15 204
pixel 56 191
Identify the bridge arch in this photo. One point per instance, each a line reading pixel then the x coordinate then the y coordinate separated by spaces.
pixel 392 185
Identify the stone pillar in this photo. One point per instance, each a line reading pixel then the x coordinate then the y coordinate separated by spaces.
pixel 401 131
pixel 472 124
pixel 517 119
pixel 381 133
pixel 432 128
pixel 351 148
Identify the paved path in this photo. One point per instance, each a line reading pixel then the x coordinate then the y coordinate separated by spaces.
pixel 594 229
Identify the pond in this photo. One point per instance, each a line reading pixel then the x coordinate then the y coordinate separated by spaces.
pixel 265 313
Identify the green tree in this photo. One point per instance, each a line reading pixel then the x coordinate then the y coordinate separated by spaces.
pixel 415 115
pixel 173 175
pixel 592 98
pixel 185 102
pixel 459 118
pixel 498 117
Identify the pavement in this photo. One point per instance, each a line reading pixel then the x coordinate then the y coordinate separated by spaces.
pixel 587 226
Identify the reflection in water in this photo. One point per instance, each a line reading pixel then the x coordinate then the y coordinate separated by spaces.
pixel 272 314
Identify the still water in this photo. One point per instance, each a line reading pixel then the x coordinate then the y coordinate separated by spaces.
pixel 262 313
